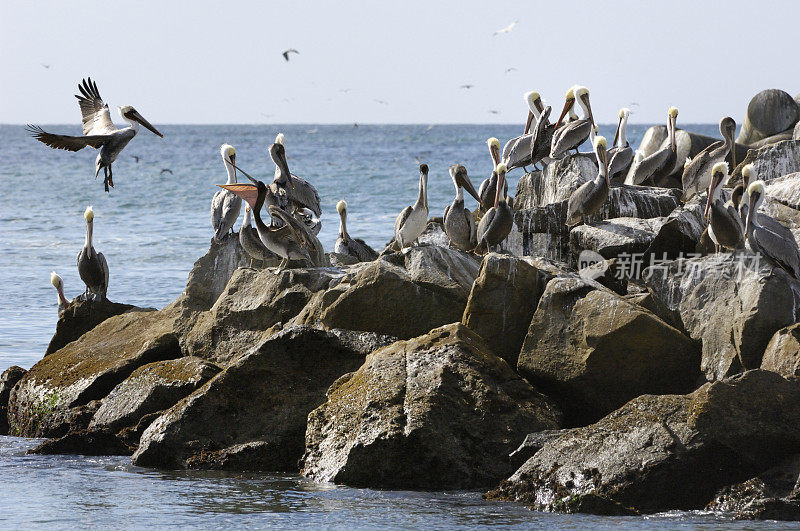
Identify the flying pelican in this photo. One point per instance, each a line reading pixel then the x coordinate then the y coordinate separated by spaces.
pixel 413 219
pixel 522 150
pixel 286 53
pixel 98 130
pixel 251 242
pixel 459 224
pixel 573 133
pixel 591 195
pixel 697 172
pixel 779 248
pixel 354 247
pixel 620 156
pixel 488 188
pixel 225 206
pixel 292 191
pixel 660 163
pixel 63 303
pixel 496 224
pixel 92 266
pixel 725 227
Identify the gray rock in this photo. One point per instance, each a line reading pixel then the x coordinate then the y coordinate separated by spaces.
pixel 435 412
pixel 8 380
pixel 616 236
pixel 782 354
pixel 796 134
pixel 770 162
pixel 556 182
pixel 82 316
pixel 770 112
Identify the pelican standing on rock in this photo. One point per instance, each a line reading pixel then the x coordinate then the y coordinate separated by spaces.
pixel 591 195
pixel 496 224
pixel 620 156
pixel 697 171
pixel 346 245
pixel 573 133
pixel 250 241
pixel 779 248
pixel 523 150
pixel 99 131
pixel 292 191
pixel 63 303
pixel 92 266
pixel 413 219
pixel 225 206
pixel 725 227
pixel 488 188
pixel 660 163
pixel 459 223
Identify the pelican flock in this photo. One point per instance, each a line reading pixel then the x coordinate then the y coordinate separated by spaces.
pixel 657 165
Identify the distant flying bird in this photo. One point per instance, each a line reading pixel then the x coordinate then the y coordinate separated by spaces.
pixel 512 69
pixel 44 65
pixel 382 102
pixel 136 158
pixel 167 170
pixel 345 90
pixel 507 29
pixel 287 52
pixel 467 86
pixel 493 112
pixel 429 127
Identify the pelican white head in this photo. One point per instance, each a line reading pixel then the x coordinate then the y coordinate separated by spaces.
pixel 748 173
pixel 88 214
pixel 493 143
pixel 341 207
pixel 673 112
pixel 280 139
pixel 55 280
pixel 624 113
pixel 228 152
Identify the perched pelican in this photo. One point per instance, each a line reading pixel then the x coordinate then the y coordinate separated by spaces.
pixel 573 133
pixel 225 206
pixel 55 280
pixel 92 266
pixel 98 130
pixel 658 164
pixel 697 172
pixel 725 227
pixel 307 218
pixel 620 156
pixel 308 240
pixel 354 247
pixel 488 187
pixel 779 248
pixel 251 242
pixel 530 148
pixel 293 192
pixel 591 195
pixel 495 225
pixel 770 223
pixel 459 224
pixel 413 219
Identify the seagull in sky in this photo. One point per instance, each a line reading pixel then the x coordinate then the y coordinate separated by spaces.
pixel 507 29
pixel 287 52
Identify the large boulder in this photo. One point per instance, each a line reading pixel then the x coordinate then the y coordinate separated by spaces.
pixel 503 299
pixel 770 162
pixel 660 453
pixel 596 350
pixel 782 354
pixel 730 304
pixel 769 113
pixel 82 316
pixel 87 370
pixel 613 237
pixel 556 182
pixel 252 416
pixel 436 412
pixel 8 380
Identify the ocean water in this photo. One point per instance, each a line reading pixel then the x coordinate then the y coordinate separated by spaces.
pixel 151 228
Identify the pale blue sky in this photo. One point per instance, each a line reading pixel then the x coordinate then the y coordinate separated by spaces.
pixel 220 62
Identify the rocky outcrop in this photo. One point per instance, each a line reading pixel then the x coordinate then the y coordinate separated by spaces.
pixel 503 299
pixel 252 416
pixel 82 316
pixel 45 401
pixel 595 350
pixel 730 304
pixel 556 182
pixel 770 162
pixel 613 237
pixel 659 453
pixel 8 380
pixel 769 113
pixel 782 354
pixel 436 412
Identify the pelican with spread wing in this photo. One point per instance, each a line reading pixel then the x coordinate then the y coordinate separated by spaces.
pixel 99 131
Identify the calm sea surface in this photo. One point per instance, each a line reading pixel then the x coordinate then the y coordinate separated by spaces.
pixel 151 228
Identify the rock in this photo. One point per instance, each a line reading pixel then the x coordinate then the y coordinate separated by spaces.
pixel 87 370
pixel 8 380
pixel 783 199
pixel 613 237
pixel 783 352
pixel 534 442
pixel 556 182
pixel 435 412
pixel 730 304
pixel 660 453
pixel 770 112
pixel 151 388
pixel 503 299
pixel 771 495
pixel 770 162
pixel 84 442
pixel 678 234
pixel 796 134
pixel 262 401
pixel 211 273
pixel 595 350
pixel 82 316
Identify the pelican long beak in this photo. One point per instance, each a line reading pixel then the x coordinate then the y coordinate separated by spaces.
pixel 235 167
pixel 501 181
pixel 672 122
pixel 139 118
pixel 567 106
pixel 710 195
pixel 751 211
pixel 463 181
pixel 589 108
pixel 233 163
pixel 603 156
pixel 616 135
pixel 284 166
pixel 495 152
pixel 528 123
pixel 248 192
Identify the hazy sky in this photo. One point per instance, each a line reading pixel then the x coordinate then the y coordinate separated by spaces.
pixel 220 62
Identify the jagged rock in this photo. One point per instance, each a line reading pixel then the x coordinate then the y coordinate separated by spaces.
pixel 731 304
pixel 678 234
pixel 595 350
pixel 556 182
pixel 85 442
pixel 339 260
pixel 87 370
pixel 151 388
pixel 770 162
pixel 783 352
pixel 783 199
pixel 796 135
pixel 435 412
pixel 503 299
pixel 771 495
pixel 262 401
pixel 769 113
pixel 534 442
pixel 659 453
pixel 8 380
pixel 616 236
pixel 82 316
